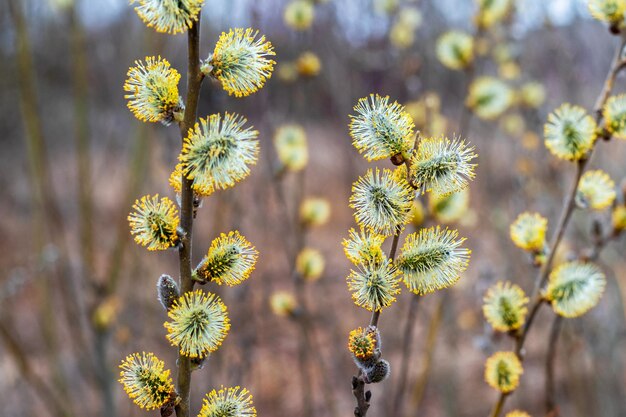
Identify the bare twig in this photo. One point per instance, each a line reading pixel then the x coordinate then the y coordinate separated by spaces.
pixel 466 112
pixel 427 355
pixel 48 223
pixel 83 158
pixel 593 252
pixel 406 355
pixel 50 397
pixel 470 75
pixel 551 407
pixel 497 408
pixel 309 349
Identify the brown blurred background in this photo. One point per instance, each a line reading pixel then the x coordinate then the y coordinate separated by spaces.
pixel 77 295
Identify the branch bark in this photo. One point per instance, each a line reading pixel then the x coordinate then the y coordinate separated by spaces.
pixel 194 82
pixel 550 404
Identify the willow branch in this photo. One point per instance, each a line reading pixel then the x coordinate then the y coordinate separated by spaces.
pixel 466 112
pixel 593 252
pixel 45 204
pixel 497 408
pixel 550 389
pixel 309 348
pixel 617 65
pixel 304 352
pixel 392 256
pixel 47 225
pixel 427 356
pixel 194 82
pixel 470 75
pixel 358 383
pixel 83 158
pixel 409 328
pixel 48 396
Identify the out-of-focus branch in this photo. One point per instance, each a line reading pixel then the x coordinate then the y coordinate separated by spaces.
pixel 83 156
pixel 47 224
pixel 617 65
pixel 49 397
pixel 407 335
pixel 550 404
pixel 427 356
pixel 309 349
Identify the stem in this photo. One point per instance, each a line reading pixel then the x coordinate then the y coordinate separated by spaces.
pixel 593 252
pixel 305 372
pixel 568 207
pixel 51 398
pixel 83 159
pixel 297 232
pixel 85 203
pixel 470 74
pixel 409 328
pixel 318 358
pixel 309 349
pixel 194 81
pixel 497 408
pixel 392 256
pixel 551 407
pixel 466 112
pixel 566 212
pixel 358 384
pixel 427 356
pixel 48 223
pixel 103 372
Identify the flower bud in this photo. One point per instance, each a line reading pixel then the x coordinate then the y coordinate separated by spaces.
pixel 378 373
pixel 167 290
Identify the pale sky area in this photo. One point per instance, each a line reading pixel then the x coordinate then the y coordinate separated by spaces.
pixel 98 13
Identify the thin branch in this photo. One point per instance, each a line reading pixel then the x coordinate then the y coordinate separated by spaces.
pixel 497 408
pixel 392 256
pixel 309 349
pixel 593 252
pixel 617 65
pixel 427 355
pixel 49 397
pixel 551 407
pixel 358 383
pixel 83 156
pixel 409 328
pixel 48 222
pixel 566 212
pixel 466 112
pixel 470 75
pixel 194 82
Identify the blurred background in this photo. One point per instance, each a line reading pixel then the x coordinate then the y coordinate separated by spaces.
pixel 77 295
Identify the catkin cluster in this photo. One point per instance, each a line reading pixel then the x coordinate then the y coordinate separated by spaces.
pixel 383 200
pixel 574 286
pixel 217 153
